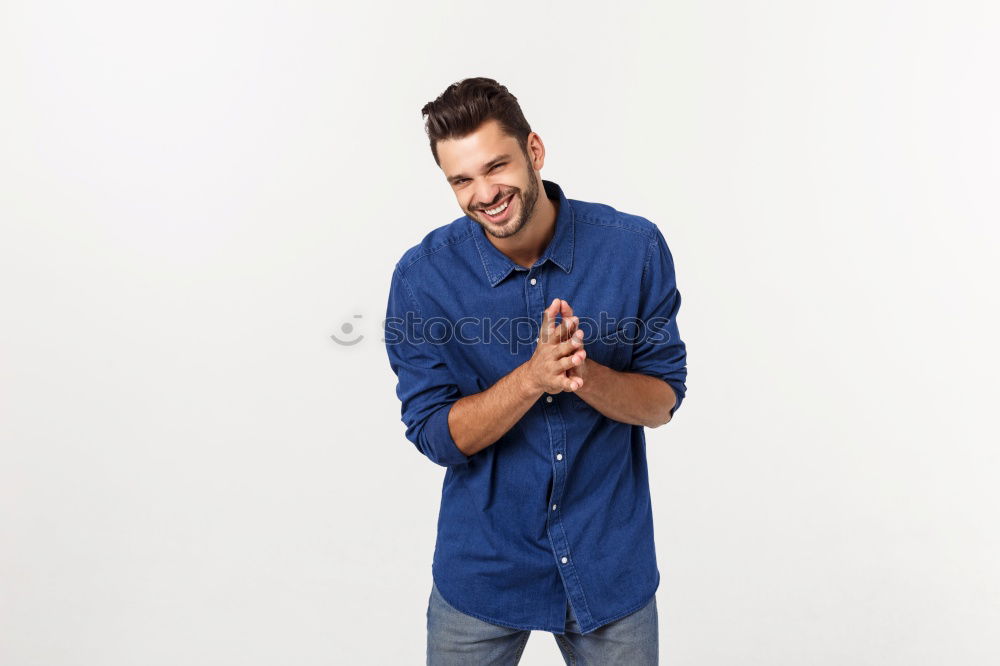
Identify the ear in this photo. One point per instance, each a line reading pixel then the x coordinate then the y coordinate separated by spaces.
pixel 536 151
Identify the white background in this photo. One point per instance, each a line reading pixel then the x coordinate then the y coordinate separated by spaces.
pixel 195 195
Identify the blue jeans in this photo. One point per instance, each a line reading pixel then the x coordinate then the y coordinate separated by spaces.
pixel 457 639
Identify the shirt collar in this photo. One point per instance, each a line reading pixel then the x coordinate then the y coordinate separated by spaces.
pixel 559 250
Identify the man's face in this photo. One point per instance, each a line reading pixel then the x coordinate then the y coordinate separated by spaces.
pixel 487 170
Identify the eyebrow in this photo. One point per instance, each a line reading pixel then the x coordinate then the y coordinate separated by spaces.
pixel 486 167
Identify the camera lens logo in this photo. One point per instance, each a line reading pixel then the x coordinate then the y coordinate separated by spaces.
pixel 347 328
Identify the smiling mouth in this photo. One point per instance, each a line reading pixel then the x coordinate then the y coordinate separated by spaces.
pixel 501 210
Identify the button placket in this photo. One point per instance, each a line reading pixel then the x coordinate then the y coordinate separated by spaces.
pixel 534 298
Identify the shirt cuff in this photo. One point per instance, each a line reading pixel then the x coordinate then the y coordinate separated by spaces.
pixel 680 397
pixel 440 441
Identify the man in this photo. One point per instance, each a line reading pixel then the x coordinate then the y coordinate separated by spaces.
pixel 533 339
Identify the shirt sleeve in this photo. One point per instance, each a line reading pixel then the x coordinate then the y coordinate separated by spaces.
pixel 659 350
pixel 425 386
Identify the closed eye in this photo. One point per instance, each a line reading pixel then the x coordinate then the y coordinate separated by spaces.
pixel 495 166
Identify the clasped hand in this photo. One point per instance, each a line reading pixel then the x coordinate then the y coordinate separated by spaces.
pixel 558 361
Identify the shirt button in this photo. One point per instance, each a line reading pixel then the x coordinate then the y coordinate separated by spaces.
pixel 533 280
pixel 565 560
pixel 558 456
pixel 553 507
pixel 548 398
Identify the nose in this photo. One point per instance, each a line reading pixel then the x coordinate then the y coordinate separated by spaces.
pixel 487 195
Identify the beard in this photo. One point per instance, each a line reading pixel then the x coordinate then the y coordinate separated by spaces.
pixel 526 206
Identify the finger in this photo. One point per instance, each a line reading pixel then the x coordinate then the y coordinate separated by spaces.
pixel 574 325
pixel 569 347
pixel 567 328
pixel 548 314
pixel 567 312
pixel 572 383
pixel 563 321
pixel 574 343
pixel 565 309
pixel 571 361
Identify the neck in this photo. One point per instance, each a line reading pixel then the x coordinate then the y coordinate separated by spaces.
pixel 526 246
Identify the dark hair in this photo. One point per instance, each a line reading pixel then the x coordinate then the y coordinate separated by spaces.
pixel 467 104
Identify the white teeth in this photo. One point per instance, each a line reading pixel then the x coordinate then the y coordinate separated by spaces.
pixel 498 209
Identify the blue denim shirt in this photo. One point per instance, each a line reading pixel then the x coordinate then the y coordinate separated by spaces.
pixel 557 509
